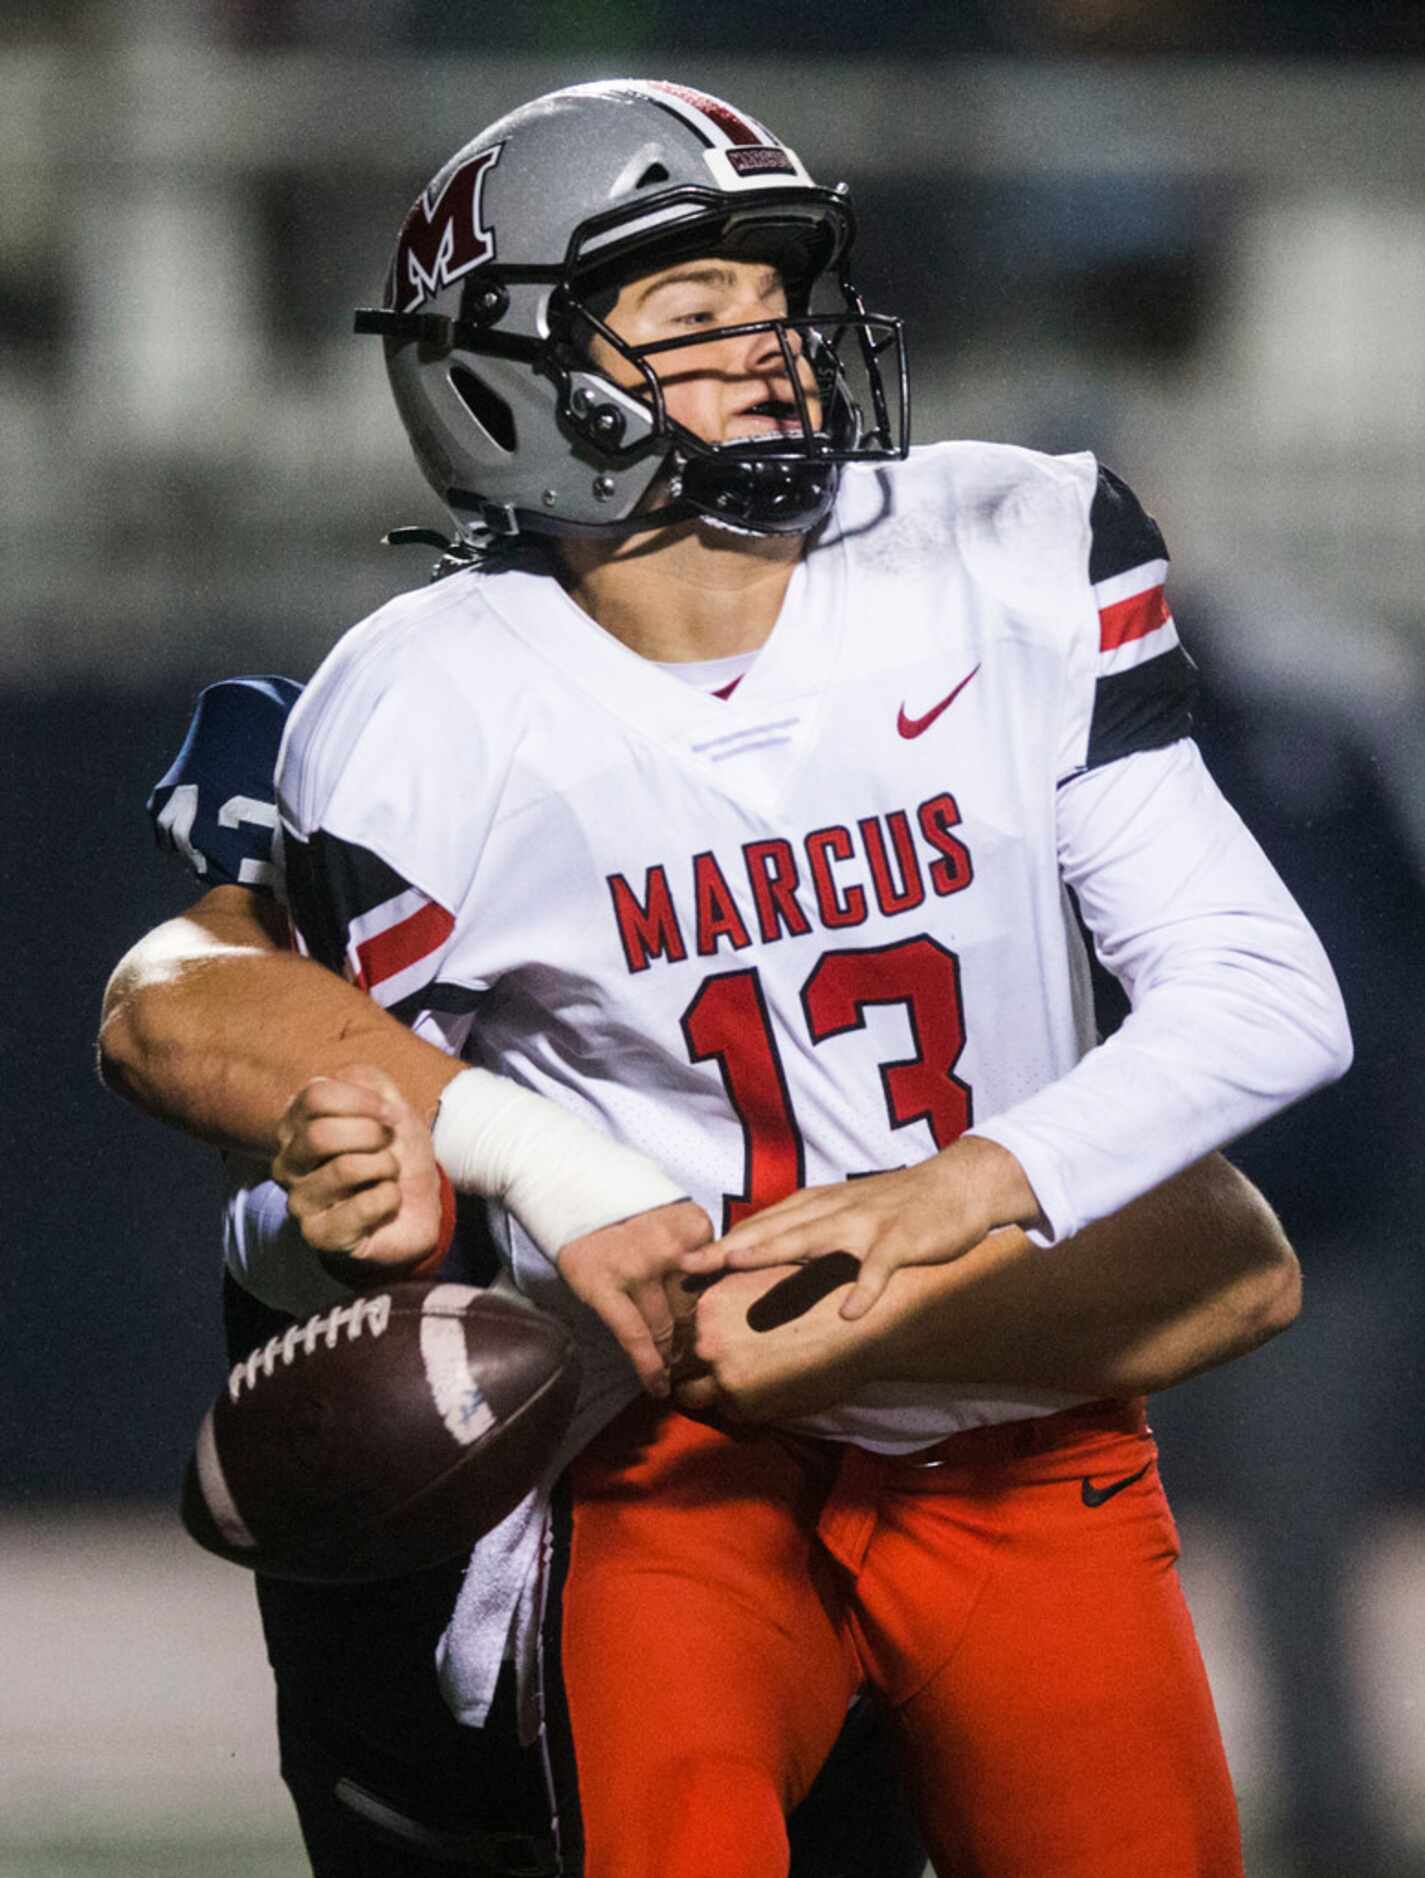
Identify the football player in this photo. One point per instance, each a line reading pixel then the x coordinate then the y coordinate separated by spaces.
pixel 726 804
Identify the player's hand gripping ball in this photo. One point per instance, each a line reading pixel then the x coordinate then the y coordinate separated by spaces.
pixel 382 1437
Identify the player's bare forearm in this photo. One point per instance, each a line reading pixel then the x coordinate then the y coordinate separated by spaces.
pixel 211 1024
pixel 1191 1275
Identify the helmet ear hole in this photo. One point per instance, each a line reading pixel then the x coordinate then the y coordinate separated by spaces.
pixel 655 173
pixel 487 407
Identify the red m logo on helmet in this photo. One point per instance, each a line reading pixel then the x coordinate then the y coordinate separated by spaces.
pixel 443 237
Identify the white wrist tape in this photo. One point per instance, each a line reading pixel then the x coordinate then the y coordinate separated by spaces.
pixel 559 1176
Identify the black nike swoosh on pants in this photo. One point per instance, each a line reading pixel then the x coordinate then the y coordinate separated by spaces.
pixel 1095 1496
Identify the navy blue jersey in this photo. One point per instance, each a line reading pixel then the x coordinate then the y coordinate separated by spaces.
pixel 215 806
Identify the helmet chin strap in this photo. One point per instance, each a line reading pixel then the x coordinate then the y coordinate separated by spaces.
pixel 710 501
pixel 754 496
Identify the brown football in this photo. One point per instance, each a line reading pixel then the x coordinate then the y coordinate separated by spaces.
pixel 383 1436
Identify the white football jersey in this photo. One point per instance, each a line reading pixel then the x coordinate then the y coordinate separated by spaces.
pixel 813 929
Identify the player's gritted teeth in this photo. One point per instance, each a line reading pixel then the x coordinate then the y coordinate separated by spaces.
pixel 769 416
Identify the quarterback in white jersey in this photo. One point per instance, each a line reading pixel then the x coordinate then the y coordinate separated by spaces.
pixel 728 804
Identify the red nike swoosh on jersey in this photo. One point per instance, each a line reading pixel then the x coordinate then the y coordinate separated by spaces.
pixel 913 726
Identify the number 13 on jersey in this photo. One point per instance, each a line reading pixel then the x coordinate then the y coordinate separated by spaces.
pixel 728 1023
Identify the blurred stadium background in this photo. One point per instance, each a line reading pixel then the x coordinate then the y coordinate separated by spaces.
pixel 1188 235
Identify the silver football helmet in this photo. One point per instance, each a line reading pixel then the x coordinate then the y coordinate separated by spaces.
pixel 507 263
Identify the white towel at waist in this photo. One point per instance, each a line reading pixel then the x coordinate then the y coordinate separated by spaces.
pixel 500 1610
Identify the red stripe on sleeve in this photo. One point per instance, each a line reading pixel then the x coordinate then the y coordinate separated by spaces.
pixel 1133 618
pixel 389 952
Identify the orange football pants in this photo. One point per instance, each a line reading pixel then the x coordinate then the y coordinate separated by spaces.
pixel 729 1593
